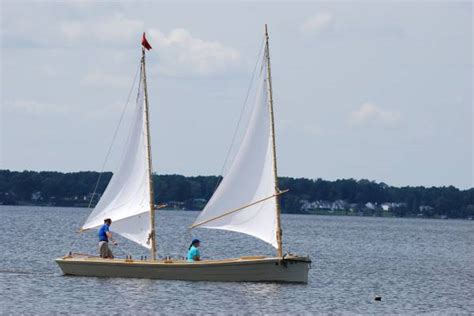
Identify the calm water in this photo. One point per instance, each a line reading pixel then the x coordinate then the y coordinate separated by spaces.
pixel 416 265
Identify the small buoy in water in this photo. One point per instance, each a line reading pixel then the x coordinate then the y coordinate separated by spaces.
pixel 378 298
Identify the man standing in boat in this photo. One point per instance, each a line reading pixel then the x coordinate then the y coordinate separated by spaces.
pixel 104 236
pixel 193 251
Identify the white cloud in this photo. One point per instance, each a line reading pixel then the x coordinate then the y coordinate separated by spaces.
pixel 369 114
pixel 78 3
pixel 312 129
pixel 34 107
pixel 317 23
pixel 113 29
pixel 104 79
pixel 182 54
pixel 179 52
pixel 48 70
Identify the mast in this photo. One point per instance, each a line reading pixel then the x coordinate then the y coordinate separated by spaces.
pixel 275 173
pixel 150 168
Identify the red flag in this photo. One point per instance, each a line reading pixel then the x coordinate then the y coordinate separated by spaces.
pixel 145 42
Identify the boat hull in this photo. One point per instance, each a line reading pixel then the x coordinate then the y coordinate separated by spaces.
pixel 250 269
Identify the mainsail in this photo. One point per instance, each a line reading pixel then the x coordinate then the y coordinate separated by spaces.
pixel 245 200
pixel 127 198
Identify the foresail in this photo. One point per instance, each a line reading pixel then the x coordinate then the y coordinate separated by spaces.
pixel 249 179
pixel 126 199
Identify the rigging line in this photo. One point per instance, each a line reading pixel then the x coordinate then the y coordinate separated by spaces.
pixel 240 116
pixel 108 152
pixel 135 115
pixel 239 209
pixel 114 136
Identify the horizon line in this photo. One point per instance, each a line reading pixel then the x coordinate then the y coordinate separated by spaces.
pixel 280 176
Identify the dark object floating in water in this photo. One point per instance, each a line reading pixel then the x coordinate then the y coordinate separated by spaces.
pixel 378 298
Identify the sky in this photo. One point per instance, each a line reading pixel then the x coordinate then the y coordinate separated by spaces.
pixel 365 90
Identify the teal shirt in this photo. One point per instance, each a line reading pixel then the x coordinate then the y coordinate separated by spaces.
pixel 193 252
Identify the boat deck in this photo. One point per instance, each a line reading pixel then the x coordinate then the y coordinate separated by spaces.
pixel 253 259
pixel 251 268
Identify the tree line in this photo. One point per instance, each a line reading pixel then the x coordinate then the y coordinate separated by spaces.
pixel 76 188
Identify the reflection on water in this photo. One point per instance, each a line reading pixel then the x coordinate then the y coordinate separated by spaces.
pixel 415 265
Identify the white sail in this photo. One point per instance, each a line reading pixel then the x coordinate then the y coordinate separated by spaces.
pixel 127 198
pixel 249 179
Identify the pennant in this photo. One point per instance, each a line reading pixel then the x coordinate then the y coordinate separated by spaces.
pixel 145 43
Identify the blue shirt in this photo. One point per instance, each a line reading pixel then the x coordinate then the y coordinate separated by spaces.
pixel 103 233
pixel 193 252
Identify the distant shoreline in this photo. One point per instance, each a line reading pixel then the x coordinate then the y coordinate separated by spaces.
pixel 335 214
pixel 306 196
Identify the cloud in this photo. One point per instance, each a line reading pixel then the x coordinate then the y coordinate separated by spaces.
pixel 369 114
pixel 97 78
pixel 312 129
pixel 34 107
pixel 114 29
pixel 181 53
pixel 48 70
pixel 317 23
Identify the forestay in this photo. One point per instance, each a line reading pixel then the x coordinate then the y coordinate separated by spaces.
pixel 249 179
pixel 127 198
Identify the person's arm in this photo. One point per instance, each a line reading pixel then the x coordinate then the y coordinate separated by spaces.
pixel 197 256
pixel 109 236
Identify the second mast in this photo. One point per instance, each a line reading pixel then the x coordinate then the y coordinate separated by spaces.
pixel 152 236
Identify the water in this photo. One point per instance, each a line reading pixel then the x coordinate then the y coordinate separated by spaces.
pixel 416 265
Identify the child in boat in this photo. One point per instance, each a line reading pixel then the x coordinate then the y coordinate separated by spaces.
pixel 193 251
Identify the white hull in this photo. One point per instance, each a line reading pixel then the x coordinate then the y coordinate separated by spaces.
pixel 245 269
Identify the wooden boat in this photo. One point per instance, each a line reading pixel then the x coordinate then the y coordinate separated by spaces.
pixel 244 269
pixel 246 201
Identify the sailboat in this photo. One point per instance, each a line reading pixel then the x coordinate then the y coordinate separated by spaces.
pixel 247 200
